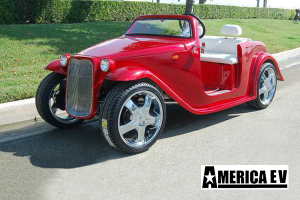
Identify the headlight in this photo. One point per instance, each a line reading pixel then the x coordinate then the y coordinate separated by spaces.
pixel 104 65
pixel 63 60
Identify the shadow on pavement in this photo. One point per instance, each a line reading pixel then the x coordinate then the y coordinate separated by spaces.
pixel 84 145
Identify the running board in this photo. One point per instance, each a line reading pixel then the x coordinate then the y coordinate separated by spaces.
pixel 218 92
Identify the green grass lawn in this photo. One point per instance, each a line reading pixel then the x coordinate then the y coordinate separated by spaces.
pixel 26 49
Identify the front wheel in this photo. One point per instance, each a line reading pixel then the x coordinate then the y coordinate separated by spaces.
pixel 133 117
pixel 50 102
pixel 266 87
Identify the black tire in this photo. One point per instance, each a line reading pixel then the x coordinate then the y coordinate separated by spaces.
pixel 111 108
pixel 257 103
pixel 42 101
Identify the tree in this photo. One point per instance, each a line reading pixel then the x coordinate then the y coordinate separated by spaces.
pixel 257 3
pixel 189 6
pixel 202 1
pixel 265 3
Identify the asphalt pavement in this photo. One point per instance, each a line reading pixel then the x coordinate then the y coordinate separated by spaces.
pixel 38 161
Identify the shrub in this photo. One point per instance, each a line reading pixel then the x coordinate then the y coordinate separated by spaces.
pixel 70 11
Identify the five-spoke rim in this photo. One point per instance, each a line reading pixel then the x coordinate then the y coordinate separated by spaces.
pixel 267 86
pixel 140 119
pixel 57 113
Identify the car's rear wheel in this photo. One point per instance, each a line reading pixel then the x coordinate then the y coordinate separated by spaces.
pixel 133 117
pixel 50 102
pixel 266 87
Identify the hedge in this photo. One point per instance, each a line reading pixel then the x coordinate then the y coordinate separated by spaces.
pixel 70 11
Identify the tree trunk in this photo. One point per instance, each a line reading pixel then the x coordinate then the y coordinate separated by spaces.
pixel 257 3
pixel 157 1
pixel 297 16
pixel 202 1
pixel 265 3
pixel 189 6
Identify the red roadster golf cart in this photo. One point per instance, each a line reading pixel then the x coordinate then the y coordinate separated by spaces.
pixel 161 59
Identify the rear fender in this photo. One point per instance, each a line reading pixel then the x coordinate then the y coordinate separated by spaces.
pixel 55 66
pixel 260 59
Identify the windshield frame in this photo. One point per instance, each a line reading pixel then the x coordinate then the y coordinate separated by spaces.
pixel 159 35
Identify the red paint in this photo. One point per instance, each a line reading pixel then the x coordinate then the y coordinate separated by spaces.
pixel 55 66
pixel 215 75
pixel 186 79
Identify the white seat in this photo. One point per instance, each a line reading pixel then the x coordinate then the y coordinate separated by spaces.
pixel 230 59
pixel 231 30
pixel 223 49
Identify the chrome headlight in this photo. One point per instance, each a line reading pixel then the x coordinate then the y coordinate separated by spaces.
pixel 63 60
pixel 104 65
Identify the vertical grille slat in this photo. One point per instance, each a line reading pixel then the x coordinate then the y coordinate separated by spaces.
pixel 80 87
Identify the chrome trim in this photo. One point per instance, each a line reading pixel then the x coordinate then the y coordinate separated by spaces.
pixel 267 86
pixel 142 119
pixel 80 87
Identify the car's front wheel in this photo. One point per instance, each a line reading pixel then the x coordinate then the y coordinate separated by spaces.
pixel 133 117
pixel 50 102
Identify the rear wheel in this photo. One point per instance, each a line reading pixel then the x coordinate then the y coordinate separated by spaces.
pixel 50 102
pixel 133 117
pixel 266 87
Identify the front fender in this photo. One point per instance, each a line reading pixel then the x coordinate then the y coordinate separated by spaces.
pixel 55 66
pixel 260 59
pixel 129 74
pixel 136 73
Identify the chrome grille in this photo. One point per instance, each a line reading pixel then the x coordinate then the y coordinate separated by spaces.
pixel 80 87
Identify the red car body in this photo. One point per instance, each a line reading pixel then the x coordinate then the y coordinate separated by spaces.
pixel 174 64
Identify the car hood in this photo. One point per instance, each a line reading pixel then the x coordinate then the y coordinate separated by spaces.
pixel 132 46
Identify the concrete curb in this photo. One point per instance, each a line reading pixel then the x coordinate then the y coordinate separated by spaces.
pixel 18 111
pixel 285 55
pixel 25 110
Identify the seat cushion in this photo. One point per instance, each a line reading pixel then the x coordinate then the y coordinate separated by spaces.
pixel 219 58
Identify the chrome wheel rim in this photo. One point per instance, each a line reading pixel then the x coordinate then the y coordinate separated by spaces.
pixel 57 113
pixel 267 86
pixel 140 119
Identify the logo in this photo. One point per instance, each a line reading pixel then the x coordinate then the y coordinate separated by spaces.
pixel 244 177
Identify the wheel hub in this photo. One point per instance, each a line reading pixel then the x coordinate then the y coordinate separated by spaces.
pixel 142 117
pixel 268 85
pixel 143 114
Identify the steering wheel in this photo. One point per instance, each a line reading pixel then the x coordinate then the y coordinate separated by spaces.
pixel 181 24
pixel 202 24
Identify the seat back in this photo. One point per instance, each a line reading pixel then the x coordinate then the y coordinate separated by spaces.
pixel 222 45
pixel 227 44
pixel 231 30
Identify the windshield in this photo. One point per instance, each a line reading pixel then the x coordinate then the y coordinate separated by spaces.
pixel 161 27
